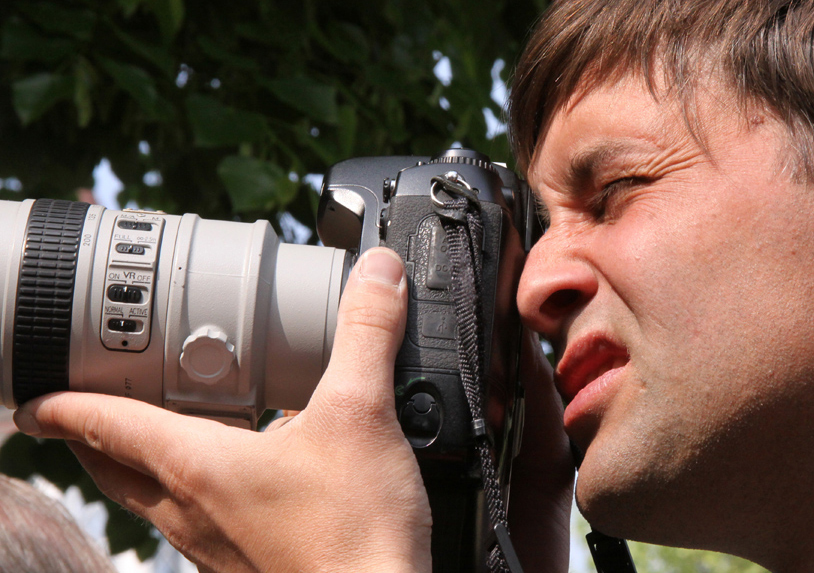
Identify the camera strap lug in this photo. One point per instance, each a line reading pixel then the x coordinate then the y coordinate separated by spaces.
pixel 610 554
pixel 458 207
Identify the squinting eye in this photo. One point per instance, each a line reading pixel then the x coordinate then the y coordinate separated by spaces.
pixel 602 204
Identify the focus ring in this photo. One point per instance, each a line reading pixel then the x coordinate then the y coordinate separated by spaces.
pixel 42 322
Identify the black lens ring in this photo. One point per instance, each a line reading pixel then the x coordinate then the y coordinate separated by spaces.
pixel 42 318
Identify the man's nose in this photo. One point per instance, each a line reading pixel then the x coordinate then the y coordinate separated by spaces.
pixel 555 285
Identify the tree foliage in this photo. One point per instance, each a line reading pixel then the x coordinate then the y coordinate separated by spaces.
pixel 229 103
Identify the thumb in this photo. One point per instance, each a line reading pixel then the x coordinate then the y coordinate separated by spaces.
pixel 369 331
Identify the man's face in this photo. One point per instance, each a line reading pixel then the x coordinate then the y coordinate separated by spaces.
pixel 676 284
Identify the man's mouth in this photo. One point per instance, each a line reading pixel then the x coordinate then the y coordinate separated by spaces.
pixel 586 360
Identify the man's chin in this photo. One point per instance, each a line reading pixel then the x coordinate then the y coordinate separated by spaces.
pixel 616 497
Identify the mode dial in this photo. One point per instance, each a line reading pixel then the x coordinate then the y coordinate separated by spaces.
pixel 465 156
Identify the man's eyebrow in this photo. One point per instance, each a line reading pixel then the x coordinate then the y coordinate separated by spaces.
pixel 584 164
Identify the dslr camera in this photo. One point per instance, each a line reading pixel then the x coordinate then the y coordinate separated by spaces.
pixel 221 320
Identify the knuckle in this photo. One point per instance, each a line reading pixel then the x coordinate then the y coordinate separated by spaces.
pixel 180 538
pixel 183 483
pixel 93 428
pixel 368 316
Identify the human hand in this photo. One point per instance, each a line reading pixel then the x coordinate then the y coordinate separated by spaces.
pixel 336 488
pixel 543 474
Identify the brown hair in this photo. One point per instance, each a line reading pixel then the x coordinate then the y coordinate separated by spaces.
pixel 763 50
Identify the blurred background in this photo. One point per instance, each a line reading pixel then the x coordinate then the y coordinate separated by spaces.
pixel 233 109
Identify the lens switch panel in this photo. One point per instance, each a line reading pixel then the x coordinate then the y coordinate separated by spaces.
pixel 130 279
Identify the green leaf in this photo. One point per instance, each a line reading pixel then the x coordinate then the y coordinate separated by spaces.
pixel 254 184
pixel 129 7
pixel 16 456
pixel 323 147
pixel 346 42
pixel 147 548
pixel 35 95
pixel 170 15
pixel 84 79
pixel 221 54
pixel 316 100
pixel 125 531
pixel 21 42
pixel 52 17
pixel 215 124
pixel 348 125
pixel 157 55
pixel 56 462
pixel 141 87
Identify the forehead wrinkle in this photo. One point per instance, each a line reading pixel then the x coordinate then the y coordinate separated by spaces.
pixel 651 141
pixel 628 158
pixel 651 138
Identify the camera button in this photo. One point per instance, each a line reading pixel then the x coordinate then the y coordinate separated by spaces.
pixel 420 420
pixel 135 225
pixel 124 293
pixel 122 325
pixel 128 249
pixel 439 268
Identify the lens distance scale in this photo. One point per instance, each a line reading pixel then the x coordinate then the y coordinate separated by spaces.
pixel 130 279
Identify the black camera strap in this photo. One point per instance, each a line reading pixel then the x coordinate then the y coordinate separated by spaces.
pixel 460 213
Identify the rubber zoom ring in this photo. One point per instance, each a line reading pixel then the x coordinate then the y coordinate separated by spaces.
pixel 42 320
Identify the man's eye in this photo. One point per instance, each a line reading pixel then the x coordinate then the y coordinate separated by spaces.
pixel 605 204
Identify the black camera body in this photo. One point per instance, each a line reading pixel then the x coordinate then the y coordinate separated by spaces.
pixel 366 202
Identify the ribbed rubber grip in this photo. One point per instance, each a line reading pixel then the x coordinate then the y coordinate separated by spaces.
pixel 42 323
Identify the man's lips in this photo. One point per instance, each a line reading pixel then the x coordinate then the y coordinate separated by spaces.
pixel 585 361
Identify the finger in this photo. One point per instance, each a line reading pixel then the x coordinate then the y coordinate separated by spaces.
pixel 138 435
pixel 370 328
pixel 544 409
pixel 543 472
pixel 136 492
pixel 129 488
pixel 278 423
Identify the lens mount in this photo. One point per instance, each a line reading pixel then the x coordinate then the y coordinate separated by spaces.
pixel 42 320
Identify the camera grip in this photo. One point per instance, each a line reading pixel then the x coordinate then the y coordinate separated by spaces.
pixel 430 398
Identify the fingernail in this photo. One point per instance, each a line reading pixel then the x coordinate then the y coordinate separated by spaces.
pixel 26 423
pixel 381 266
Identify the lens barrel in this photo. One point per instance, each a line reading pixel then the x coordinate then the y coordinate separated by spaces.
pixel 217 319
pixel 42 326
